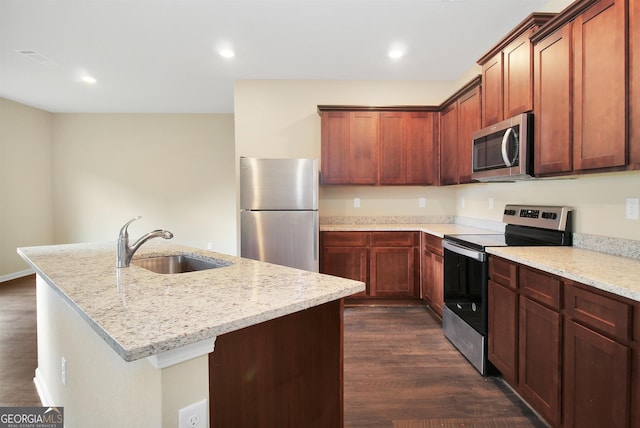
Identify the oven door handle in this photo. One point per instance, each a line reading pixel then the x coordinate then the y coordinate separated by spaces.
pixel 480 256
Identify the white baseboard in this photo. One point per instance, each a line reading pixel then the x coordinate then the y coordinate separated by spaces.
pixel 43 391
pixel 16 275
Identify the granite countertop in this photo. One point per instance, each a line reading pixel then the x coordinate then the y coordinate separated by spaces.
pixel 615 274
pixel 140 313
pixel 436 229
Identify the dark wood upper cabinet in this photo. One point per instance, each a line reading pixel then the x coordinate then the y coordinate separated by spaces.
pixel 507 71
pixel 580 80
pixel 335 131
pixel 553 101
pixel 385 145
pixel 363 147
pixel 460 117
pixel 634 84
pixel 600 84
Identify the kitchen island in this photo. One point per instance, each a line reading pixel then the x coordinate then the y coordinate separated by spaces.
pixel 130 347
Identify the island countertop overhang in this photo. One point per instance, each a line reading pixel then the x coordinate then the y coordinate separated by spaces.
pixel 140 313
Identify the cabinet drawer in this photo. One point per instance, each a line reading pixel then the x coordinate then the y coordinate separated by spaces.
pixel 540 287
pixel 393 239
pixel 345 239
pixel 503 272
pixel 432 243
pixel 605 314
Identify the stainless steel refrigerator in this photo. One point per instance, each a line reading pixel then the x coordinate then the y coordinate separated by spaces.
pixel 279 211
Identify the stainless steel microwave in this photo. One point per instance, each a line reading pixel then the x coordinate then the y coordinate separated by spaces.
pixel 503 152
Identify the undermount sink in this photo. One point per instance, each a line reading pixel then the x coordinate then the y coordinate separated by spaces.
pixel 179 263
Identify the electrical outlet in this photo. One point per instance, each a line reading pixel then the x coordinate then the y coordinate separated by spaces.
pixel 422 202
pixel 356 202
pixel 209 245
pixel 63 371
pixel 193 416
pixel 490 203
pixel 462 202
pixel 632 209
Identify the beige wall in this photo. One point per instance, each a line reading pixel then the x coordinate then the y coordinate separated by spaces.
pixel 26 216
pixel 175 170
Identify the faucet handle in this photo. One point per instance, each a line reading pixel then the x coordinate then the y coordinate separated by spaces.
pixel 123 231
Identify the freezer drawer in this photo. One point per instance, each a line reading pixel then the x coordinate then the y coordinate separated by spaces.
pixel 288 238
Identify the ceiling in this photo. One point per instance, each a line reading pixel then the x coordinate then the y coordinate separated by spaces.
pixel 160 56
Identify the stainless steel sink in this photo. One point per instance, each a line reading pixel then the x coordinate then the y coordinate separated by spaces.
pixel 179 263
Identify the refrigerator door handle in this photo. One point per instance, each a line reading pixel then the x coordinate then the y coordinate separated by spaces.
pixel 316 228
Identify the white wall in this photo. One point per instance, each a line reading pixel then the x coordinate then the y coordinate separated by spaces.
pixel 175 170
pixel 26 216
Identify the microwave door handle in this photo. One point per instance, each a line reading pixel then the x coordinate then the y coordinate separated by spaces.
pixel 505 141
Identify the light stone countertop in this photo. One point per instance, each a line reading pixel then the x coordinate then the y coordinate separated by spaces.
pixel 140 313
pixel 436 229
pixel 615 274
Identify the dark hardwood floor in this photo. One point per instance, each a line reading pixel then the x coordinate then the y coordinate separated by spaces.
pixel 18 348
pixel 399 370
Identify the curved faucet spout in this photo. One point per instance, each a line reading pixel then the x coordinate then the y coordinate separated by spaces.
pixel 125 252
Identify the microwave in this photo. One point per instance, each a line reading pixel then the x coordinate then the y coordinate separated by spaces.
pixel 504 151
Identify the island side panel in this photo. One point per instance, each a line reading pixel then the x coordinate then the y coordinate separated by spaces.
pixel 283 372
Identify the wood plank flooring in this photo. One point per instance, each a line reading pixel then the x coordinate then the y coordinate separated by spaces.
pixel 399 370
pixel 18 346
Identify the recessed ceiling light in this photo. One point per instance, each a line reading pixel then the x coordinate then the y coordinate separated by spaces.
pixel 226 53
pixel 89 79
pixel 396 53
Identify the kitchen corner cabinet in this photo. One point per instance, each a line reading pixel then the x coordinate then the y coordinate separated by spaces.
pixel 385 261
pixel 460 116
pixel 432 278
pixel 580 100
pixel 369 145
pixel 507 73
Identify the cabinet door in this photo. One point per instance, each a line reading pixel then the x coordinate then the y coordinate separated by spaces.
pixel 346 262
pixel 600 86
pixel 393 148
pixel 552 116
pixel 469 116
pixel 436 273
pixel 335 147
pixel 503 331
pixel 449 145
pixel 392 272
pixel 596 382
pixel 363 148
pixel 518 88
pixel 634 84
pixel 539 359
pixel 492 91
pixel 420 154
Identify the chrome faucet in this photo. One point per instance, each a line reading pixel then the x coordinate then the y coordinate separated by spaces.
pixel 125 252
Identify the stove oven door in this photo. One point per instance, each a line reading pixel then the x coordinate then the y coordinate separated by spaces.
pixel 465 284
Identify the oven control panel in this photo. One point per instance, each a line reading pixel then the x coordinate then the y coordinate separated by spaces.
pixel 547 217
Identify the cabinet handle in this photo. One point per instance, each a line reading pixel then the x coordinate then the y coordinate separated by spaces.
pixel 505 140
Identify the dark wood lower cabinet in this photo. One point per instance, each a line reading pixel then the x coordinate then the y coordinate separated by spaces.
pixel 596 379
pixel 388 262
pixel 286 372
pixel 432 278
pixel 540 357
pixel 503 325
